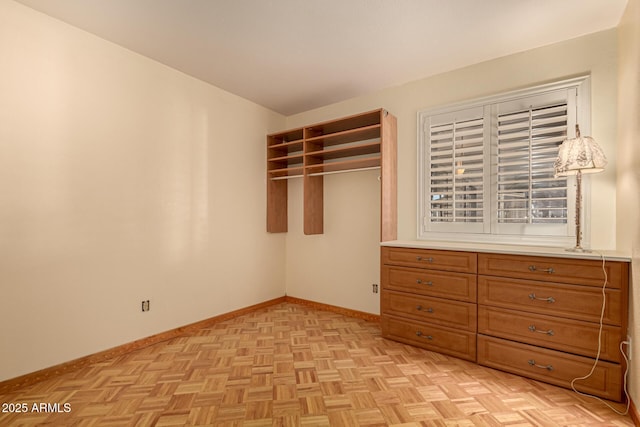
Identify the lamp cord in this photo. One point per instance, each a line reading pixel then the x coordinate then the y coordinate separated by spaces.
pixel 595 363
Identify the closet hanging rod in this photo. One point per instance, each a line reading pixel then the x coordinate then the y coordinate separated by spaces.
pixel 278 178
pixel 344 171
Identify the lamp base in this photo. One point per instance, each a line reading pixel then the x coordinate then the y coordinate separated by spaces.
pixel 578 249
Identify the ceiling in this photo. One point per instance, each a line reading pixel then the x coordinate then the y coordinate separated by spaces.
pixel 296 55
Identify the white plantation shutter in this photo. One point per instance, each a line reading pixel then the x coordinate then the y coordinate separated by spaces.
pixel 528 144
pixel 456 162
pixel 486 168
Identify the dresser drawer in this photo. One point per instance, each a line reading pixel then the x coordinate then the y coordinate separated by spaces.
pixel 570 301
pixel 551 366
pixel 454 342
pixel 458 286
pixel 562 270
pixel 571 336
pixel 439 311
pixel 463 262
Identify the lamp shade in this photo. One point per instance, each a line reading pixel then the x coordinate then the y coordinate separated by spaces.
pixel 581 153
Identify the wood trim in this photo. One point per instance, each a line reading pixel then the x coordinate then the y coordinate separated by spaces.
pixel 14 384
pixel 389 178
pixel 277 205
pixel 313 206
pixel 335 309
pixel 634 413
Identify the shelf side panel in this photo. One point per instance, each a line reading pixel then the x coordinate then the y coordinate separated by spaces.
pixel 276 206
pixel 389 178
pixel 313 205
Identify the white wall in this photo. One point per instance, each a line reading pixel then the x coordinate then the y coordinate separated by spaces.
pixel 629 170
pixel 352 228
pixel 339 266
pixel 120 180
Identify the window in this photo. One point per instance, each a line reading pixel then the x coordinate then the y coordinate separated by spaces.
pixel 486 166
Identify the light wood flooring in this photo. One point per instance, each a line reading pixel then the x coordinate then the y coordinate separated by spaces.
pixel 291 365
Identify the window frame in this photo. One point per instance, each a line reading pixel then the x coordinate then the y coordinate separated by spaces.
pixel 578 109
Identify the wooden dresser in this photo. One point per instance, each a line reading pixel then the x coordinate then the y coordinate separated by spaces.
pixel 533 316
pixel 428 299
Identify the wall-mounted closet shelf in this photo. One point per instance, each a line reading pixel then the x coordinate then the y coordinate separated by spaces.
pixel 360 142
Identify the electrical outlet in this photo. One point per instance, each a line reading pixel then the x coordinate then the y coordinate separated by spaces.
pixel 146 306
pixel 375 288
pixel 629 346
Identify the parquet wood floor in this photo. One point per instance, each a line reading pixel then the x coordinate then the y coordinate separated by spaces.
pixel 291 365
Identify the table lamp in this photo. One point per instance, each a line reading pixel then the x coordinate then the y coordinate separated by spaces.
pixel 577 156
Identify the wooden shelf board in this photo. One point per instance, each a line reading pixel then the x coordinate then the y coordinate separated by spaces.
pixel 297 158
pixel 285 143
pixel 359 169
pixel 351 122
pixel 274 173
pixel 344 165
pixel 287 147
pixel 290 136
pixel 350 151
pixel 346 136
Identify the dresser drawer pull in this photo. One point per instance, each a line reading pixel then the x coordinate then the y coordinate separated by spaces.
pixel 533 363
pixel 543 270
pixel 533 296
pixel 429 337
pixel 428 310
pixel 428 283
pixel 533 328
pixel 419 258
